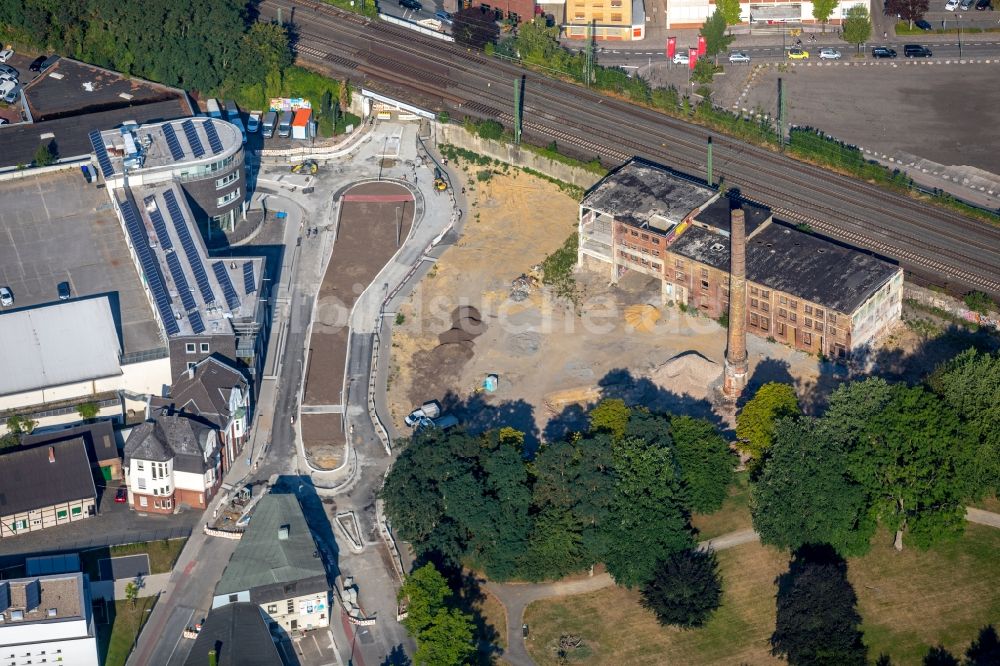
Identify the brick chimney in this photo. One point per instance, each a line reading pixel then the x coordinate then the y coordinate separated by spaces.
pixel 737 367
pixel 52 454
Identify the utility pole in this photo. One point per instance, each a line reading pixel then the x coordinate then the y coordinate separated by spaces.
pixel 781 113
pixel 709 166
pixel 518 105
pixel 588 66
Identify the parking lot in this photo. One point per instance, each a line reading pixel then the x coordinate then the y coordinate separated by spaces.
pixel 56 227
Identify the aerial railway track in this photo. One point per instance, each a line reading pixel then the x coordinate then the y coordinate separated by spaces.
pixel 938 243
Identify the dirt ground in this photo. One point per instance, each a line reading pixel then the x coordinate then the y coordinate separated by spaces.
pixel 366 240
pixel 553 357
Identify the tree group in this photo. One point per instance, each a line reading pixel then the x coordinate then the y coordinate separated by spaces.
pixel 905 457
pixel 444 634
pixel 621 493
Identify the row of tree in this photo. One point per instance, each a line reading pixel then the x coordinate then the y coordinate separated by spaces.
pixel 621 493
pixel 905 457
pixel 200 45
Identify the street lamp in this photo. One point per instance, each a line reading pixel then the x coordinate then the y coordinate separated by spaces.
pixel 959 23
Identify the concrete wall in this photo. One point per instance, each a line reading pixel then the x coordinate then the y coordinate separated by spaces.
pixel 458 136
pixel 948 304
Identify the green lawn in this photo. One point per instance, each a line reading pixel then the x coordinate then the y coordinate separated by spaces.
pixel 734 514
pixel 909 601
pixel 162 555
pixel 116 639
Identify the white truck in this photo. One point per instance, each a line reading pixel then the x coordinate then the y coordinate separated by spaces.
pixel 253 121
pixel 428 410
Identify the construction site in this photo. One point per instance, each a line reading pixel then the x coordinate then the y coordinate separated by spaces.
pixel 485 336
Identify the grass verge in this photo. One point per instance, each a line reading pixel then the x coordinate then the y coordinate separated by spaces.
pixel 909 601
pixel 116 639
pixel 162 555
pixel 733 515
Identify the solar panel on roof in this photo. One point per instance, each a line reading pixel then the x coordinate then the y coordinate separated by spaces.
pixel 172 142
pixel 190 250
pixel 180 281
pixel 213 137
pixel 102 154
pixel 227 285
pixel 249 284
pixel 193 139
pixel 197 325
pixel 161 229
pixel 150 267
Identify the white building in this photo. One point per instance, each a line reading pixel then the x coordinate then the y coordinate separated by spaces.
pixel 47 620
pixel 60 355
pixel 758 15
pixel 276 566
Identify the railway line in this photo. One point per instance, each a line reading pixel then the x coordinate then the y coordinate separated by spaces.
pixel 942 246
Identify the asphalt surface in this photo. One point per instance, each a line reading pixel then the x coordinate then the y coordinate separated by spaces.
pixel 945 247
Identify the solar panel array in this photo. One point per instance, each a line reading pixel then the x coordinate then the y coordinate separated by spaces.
pixel 190 250
pixel 150 267
pixel 213 137
pixel 249 284
pixel 227 285
pixel 161 229
pixel 197 325
pixel 193 139
pixel 102 154
pixel 173 143
pixel 180 282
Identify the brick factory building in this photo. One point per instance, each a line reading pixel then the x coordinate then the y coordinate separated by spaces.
pixel 808 292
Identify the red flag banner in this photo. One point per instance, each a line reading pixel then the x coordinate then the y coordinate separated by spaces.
pixel 692 58
pixel 701 46
pixel 671 47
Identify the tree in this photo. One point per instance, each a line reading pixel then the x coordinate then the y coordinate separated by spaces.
pixel 857 25
pixel 985 650
pixel 706 462
pixel 730 10
pixel 475 27
pixel 908 10
pixel 714 32
pixel 980 302
pixel 914 458
pixel 44 156
pixel 648 521
pixel 131 593
pixel 940 656
pixel 88 410
pixel 22 425
pixel 345 95
pixel 610 415
pixel 823 9
pixel 425 591
pixel 817 620
pixel 685 589
pixel 444 635
pixel 755 422
pixel 970 385
pixel 805 494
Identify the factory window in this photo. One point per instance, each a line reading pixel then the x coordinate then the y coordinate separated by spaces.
pixel 753 319
pixel 645 237
pixel 764 293
pixel 704 285
pixel 656 266
pixel 754 291
pixel 833 332
pixel 833 320
pixel 765 323
pixel 656 241
pixel 819 313
pixel 819 327
pixel 841 352
pixel 783 300
pixel 616 18
pixel 780 328
pixel 680 277
pixel 679 264
pixel 793 305
pixel 792 317
pixel 809 309
pixel 783 313
pixel 807 339
pixel 754 303
pixel 189 348
pixel 634 233
pixel 809 322
pixel 704 273
pixel 765 306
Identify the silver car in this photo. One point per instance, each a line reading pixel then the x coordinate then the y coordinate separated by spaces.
pixel 6 297
pixel 829 54
pixel 739 56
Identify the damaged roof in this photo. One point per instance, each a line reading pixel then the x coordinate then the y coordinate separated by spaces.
pixel 640 191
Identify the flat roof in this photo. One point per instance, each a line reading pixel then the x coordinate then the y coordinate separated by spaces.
pixel 262 558
pixel 717 215
pixel 54 227
pixel 187 141
pixel 71 134
pixel 57 344
pixel 204 293
pixel 74 88
pixel 641 192
pixel 797 263
pixel 29 481
pixel 36 596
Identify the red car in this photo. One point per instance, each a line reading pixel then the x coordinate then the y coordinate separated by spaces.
pixel 121 496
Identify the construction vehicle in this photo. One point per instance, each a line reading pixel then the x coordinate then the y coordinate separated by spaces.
pixel 306 166
pixel 440 184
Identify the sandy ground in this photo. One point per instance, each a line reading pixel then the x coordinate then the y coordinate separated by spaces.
pixel 553 357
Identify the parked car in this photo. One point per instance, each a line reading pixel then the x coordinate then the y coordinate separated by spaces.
pixel 9 90
pixel 883 52
pixel 8 72
pixel 983 5
pixel 916 51
pixel 253 121
pixel 798 54
pixel 411 4
pixel 6 297
pixel 444 17
pixel 952 5
pixel 923 25
pixel 6 54
pixel 429 410
pixel 681 58
pixel 64 292
pixel 964 5
pixel 739 56
pixel 121 495
pixel 829 54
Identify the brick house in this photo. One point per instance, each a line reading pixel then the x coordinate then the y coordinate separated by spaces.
pixel 170 461
pixel 808 292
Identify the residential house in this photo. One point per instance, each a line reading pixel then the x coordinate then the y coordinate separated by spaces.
pixel 170 461
pixel 45 486
pixel 277 567
pixel 47 620
pixel 239 636
pixel 216 394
